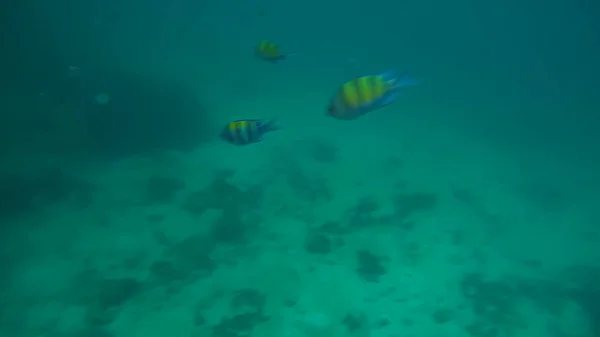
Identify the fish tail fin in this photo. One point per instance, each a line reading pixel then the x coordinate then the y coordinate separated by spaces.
pixel 286 56
pixel 399 80
pixel 396 81
pixel 405 80
pixel 270 125
pixel 280 58
pixel 390 76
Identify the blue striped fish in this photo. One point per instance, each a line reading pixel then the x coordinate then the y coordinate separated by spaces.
pixel 364 94
pixel 244 132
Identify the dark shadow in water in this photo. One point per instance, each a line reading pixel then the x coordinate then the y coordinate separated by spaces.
pixel 22 192
pixel 144 116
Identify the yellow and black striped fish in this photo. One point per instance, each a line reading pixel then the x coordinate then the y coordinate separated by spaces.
pixel 364 94
pixel 244 132
pixel 269 51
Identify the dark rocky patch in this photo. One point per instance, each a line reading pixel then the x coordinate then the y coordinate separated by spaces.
pixel 199 318
pixel 289 303
pixel 332 228
pixel 325 238
pixel 494 301
pixel 230 228
pixel 494 305
pixel 25 192
pixel 355 322
pixel 442 316
pixel 182 262
pixel 234 225
pixel 310 188
pixel 323 151
pixel 370 267
pixel 589 299
pixel 240 325
pixel 221 194
pixel 584 287
pixel 104 297
pixel 161 189
pixel 193 255
pixel 362 214
pixel 248 299
pixel 482 329
pixel 383 322
pixel 161 238
pixel 249 304
pixel 406 205
pixel 318 244
pixel 116 292
pixel 468 199
pixel 166 272
pixel 209 302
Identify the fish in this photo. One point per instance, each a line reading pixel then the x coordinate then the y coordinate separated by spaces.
pixel 247 131
pixel 364 94
pixel 269 51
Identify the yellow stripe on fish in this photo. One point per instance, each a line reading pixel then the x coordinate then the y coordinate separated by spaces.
pixel 237 126
pixel 269 51
pixel 364 90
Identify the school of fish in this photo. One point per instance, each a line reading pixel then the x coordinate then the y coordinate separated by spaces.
pixel 353 99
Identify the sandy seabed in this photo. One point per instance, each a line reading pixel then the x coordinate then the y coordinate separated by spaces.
pixel 393 233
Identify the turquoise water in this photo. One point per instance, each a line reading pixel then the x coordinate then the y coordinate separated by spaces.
pixel 468 207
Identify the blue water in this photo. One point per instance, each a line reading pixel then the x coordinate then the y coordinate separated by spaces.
pixel 468 207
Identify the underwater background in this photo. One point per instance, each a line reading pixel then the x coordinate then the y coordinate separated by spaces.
pixel 468 207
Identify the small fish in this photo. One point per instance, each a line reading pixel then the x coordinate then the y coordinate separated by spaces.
pixel 364 94
pixel 269 51
pixel 244 132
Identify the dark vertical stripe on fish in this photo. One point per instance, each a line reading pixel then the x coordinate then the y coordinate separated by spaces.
pixel 246 133
pixel 251 132
pixel 239 137
pixel 375 92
